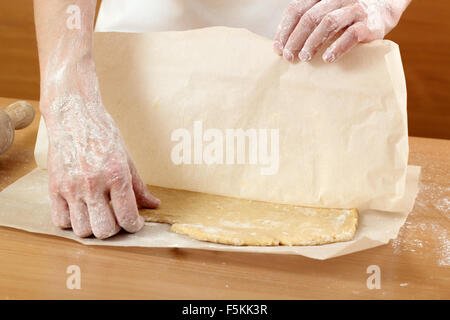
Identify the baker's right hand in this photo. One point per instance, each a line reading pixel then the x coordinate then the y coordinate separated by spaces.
pixel 88 163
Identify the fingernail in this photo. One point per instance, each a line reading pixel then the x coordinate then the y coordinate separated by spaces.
pixel 304 55
pixel 328 56
pixel 288 55
pixel 278 47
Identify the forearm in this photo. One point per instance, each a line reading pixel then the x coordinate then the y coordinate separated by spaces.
pixel 65 47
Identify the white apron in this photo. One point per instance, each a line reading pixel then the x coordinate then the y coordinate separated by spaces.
pixel 259 16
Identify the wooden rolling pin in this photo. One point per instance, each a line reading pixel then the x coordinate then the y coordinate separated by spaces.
pixel 15 117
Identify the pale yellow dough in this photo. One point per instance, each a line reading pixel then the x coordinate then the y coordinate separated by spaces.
pixel 244 222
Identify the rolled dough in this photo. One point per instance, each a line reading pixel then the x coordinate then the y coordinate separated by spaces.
pixel 235 221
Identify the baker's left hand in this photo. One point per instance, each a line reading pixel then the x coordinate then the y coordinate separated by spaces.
pixel 308 24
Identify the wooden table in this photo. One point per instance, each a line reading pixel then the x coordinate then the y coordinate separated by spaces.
pixel 415 265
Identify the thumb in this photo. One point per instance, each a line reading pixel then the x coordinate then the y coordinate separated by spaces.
pixel 143 196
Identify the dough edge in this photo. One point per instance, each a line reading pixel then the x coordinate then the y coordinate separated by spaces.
pixel 219 234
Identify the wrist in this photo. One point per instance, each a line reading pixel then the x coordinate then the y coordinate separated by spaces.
pixel 65 69
pixel 75 79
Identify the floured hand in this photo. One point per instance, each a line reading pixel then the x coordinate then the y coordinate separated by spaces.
pixel 88 163
pixel 308 24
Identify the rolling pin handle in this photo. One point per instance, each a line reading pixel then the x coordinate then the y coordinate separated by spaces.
pixel 21 114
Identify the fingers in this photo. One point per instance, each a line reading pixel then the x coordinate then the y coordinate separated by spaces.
pixel 306 25
pixel 291 17
pixel 95 215
pixel 351 37
pixel 83 203
pixel 59 210
pixel 143 196
pixel 330 25
pixel 125 207
pixel 102 220
pixel 79 218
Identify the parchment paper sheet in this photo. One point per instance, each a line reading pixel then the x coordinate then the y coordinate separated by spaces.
pixel 25 205
pixel 343 138
pixel 342 131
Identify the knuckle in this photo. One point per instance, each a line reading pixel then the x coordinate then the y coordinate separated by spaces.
pixel 101 220
pixel 355 33
pixel 116 170
pixel 68 186
pixel 91 183
pixel 59 220
pixel 330 21
pixel 120 181
pixel 308 19
pixel 130 222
